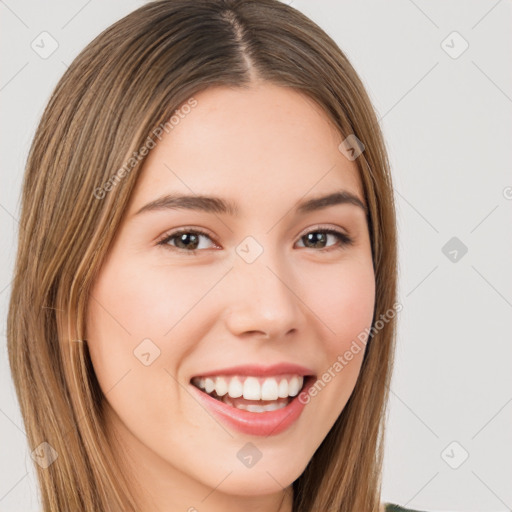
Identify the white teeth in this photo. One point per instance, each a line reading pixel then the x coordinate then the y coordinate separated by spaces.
pixel 235 388
pixel 294 386
pixel 209 385
pixel 252 388
pixel 221 386
pixel 283 389
pixel 269 390
pixel 255 408
pixel 261 408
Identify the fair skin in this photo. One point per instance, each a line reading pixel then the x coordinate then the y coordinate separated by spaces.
pixel 265 149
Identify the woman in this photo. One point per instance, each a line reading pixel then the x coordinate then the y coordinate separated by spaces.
pixel 202 316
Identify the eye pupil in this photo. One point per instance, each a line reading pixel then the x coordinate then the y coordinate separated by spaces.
pixel 317 237
pixel 187 236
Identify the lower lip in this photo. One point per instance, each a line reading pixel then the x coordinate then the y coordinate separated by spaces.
pixel 256 423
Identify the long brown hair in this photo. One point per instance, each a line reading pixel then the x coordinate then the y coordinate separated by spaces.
pixel 82 167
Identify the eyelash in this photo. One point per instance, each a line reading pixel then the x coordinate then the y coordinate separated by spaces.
pixel 343 239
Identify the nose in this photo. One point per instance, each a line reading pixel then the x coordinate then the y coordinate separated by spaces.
pixel 261 300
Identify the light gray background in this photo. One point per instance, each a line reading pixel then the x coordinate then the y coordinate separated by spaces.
pixel 448 127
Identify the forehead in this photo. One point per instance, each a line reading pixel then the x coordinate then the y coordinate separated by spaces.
pixel 264 143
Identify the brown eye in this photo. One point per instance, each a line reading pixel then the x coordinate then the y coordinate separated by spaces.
pixel 318 239
pixel 185 240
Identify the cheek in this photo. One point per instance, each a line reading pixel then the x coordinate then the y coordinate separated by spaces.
pixel 344 301
pixel 133 302
pixel 129 314
pixel 139 300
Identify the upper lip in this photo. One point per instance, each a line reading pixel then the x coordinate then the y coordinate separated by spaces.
pixel 259 370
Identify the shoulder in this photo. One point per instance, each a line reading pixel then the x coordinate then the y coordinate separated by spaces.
pixel 390 507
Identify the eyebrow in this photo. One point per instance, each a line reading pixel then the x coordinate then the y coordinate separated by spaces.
pixel 219 205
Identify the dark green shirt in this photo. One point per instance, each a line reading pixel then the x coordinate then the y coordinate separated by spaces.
pixel 390 507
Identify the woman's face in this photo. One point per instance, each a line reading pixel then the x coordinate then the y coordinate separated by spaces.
pixel 262 282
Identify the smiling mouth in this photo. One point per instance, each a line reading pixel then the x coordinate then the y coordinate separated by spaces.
pixel 252 393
